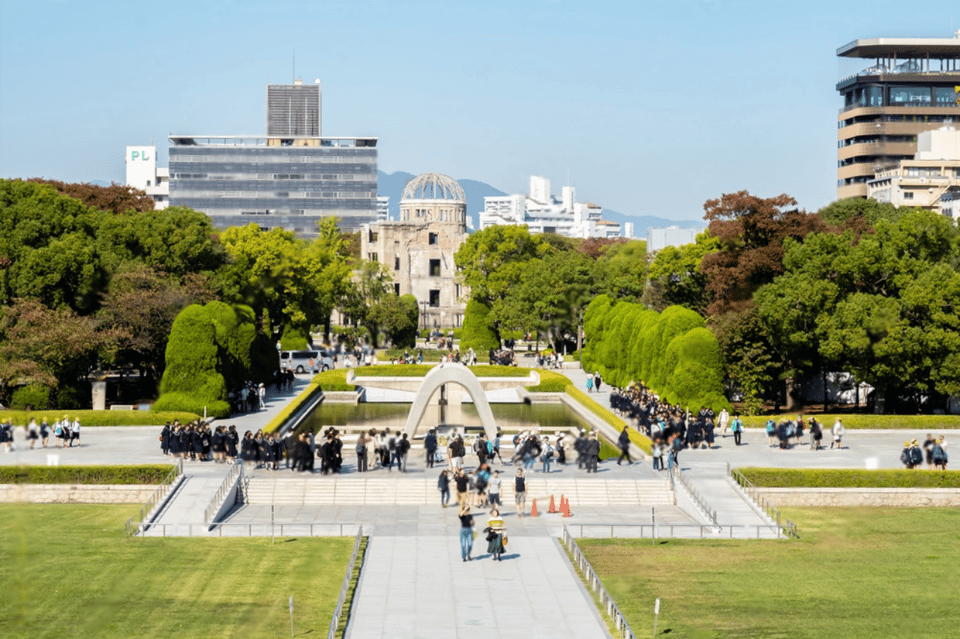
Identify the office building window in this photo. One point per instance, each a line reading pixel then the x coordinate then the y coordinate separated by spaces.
pixel 435 298
pixel 908 195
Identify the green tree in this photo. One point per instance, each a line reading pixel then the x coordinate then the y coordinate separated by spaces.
pixel 478 332
pixel 621 270
pixel 492 261
pixel 676 278
pixel 364 302
pixel 751 231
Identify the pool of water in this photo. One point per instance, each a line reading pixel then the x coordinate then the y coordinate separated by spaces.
pixel 509 417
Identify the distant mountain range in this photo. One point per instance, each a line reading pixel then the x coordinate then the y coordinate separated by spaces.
pixel 392 185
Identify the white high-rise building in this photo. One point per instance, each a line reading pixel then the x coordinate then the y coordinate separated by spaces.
pixel 544 213
pixel 143 174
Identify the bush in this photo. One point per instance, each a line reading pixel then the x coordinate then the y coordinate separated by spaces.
pixel 429 354
pixel 550 382
pixel 641 440
pixel 33 396
pixel 281 418
pixel 478 332
pixel 75 397
pixel 293 339
pixel 851 478
pixel 89 475
pixel 101 417
pixel 871 421
pixel 190 403
pixel 334 380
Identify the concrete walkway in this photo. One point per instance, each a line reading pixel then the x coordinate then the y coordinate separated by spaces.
pixel 419 587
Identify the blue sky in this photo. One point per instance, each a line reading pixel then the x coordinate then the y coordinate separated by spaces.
pixel 650 108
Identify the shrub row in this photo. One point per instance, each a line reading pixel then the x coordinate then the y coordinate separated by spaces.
pixel 550 382
pixel 334 380
pixel 672 352
pixel 429 354
pixel 100 417
pixel 288 410
pixel 420 370
pixel 865 421
pixel 850 478
pixel 641 440
pixel 97 475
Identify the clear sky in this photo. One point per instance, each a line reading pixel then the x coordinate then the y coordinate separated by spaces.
pixel 648 108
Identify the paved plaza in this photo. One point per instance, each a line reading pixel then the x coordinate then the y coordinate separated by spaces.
pixel 413 582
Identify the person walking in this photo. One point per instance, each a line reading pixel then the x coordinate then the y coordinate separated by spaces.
pixel 624 442
pixel 443 485
pixel 493 489
pixel 520 492
pixel 75 432
pixel 495 534
pixel 361 453
pixel 723 421
pixel 596 380
pixel 430 446
pixel 838 432
pixel 547 456
pixel 463 485
pixel 737 427
pixel 466 532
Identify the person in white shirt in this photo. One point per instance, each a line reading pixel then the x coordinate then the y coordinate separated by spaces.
pixel 75 432
pixel 723 421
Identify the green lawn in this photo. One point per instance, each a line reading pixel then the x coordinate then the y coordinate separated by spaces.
pixel 855 572
pixel 68 571
pixel 865 420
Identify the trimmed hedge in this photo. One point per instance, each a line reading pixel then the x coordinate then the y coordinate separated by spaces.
pixel 100 417
pixel 864 421
pixel 334 380
pixel 550 382
pixel 850 478
pixel 33 395
pixel 478 331
pixel 429 354
pixel 641 440
pixel 420 370
pixel 672 352
pixel 293 406
pixel 89 475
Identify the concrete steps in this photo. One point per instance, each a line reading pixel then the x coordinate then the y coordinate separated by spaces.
pixel 400 490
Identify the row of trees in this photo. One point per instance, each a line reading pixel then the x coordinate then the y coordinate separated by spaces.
pixel 859 286
pixel 93 277
pixel 542 284
pixel 672 352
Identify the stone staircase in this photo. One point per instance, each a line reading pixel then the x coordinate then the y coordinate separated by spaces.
pixel 414 490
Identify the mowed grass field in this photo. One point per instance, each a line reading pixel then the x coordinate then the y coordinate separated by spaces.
pixel 68 571
pixel 855 572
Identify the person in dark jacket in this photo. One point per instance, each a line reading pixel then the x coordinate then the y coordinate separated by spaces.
pixel 430 446
pixel 624 443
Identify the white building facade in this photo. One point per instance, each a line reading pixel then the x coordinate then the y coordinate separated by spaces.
pixel 659 239
pixel 143 174
pixel 545 213
pixel 931 180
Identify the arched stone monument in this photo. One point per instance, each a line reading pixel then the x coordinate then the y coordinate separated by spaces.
pixel 450 374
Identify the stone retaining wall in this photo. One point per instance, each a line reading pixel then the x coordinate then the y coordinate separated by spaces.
pixel 75 493
pixel 886 497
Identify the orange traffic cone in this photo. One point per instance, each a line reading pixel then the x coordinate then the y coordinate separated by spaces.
pixel 566 509
pixel 533 511
pixel 553 508
pixel 563 500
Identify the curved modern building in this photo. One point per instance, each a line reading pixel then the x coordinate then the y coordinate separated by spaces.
pixel 907 86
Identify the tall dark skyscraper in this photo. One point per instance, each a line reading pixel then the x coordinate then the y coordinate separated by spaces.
pixel 293 110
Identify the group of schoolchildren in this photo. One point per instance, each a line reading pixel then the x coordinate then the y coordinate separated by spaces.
pixel 934 450
pixel 382 450
pixel 65 433
pixel 780 434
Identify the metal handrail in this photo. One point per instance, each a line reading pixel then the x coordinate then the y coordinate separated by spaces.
pixel 266 529
pixel 694 495
pixel 134 525
pixel 338 611
pixel 670 531
pixel 235 474
pixel 590 576
pixel 789 528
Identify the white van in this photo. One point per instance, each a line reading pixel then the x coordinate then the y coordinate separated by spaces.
pixel 315 361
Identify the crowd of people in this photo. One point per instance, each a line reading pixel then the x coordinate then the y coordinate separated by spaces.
pixel 66 432
pixel 251 397
pixel 934 450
